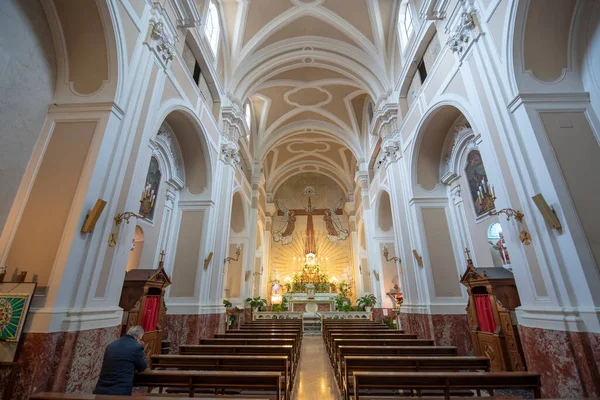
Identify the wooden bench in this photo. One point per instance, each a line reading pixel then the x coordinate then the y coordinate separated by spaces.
pixel 367 335
pixel 420 382
pixel 400 363
pixel 85 396
pixel 286 350
pixel 279 364
pixel 343 351
pixel 213 380
pixel 379 342
pixel 296 342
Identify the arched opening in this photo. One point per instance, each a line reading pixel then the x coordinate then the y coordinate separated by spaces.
pixel 390 276
pixel 238 238
pixel 137 247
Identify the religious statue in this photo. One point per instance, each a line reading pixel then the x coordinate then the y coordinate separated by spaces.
pixel 335 230
pixel 500 247
pixel 286 228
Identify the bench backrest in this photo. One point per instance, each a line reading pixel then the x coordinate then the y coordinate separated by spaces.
pixel 210 379
pixel 446 381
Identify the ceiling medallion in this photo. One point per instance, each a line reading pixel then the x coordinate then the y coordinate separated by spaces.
pixel 311 96
pixel 307 3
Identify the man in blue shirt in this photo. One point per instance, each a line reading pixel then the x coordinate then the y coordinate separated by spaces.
pixel 122 358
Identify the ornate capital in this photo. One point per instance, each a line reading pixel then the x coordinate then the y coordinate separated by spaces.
pixel 461 36
pixel 390 153
pixel 230 154
pixel 162 35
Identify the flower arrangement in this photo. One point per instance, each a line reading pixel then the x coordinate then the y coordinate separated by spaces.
pixel 399 299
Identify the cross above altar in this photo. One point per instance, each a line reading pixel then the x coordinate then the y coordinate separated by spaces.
pixel 309 211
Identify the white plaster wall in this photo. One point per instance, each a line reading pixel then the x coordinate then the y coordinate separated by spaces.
pixel 27 83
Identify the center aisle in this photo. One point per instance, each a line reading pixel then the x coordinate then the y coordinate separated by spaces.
pixel 315 380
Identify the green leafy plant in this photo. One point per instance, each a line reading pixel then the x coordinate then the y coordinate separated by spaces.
pixel 389 322
pixel 256 302
pixel 368 300
pixel 342 300
pixel 227 303
pixel 280 307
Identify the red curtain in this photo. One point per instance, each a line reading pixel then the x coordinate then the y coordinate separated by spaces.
pixel 150 318
pixel 484 313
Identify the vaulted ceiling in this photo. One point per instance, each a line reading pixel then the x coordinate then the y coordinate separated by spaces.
pixel 308 68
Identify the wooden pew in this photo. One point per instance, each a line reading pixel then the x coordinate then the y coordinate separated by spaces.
pixel 258 335
pixel 287 350
pixel 281 364
pixel 378 342
pixel 367 335
pixel 400 363
pixel 214 380
pixel 444 381
pixel 343 351
pixel 85 396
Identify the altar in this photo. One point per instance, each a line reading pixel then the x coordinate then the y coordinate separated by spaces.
pixel 297 302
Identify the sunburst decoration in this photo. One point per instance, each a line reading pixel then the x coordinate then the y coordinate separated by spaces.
pixel 290 259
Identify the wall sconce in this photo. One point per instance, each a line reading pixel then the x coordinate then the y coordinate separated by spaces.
pixel 92 217
pixel 489 191
pixel 386 254
pixel 238 250
pixel 207 260
pixel 146 204
pixel 547 212
pixel 418 258
pixel 247 275
pixel 376 275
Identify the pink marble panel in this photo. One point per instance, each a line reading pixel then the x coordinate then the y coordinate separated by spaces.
pixel 324 307
pixel 60 361
pixel 452 330
pixel 569 362
pixel 189 329
pixel 299 307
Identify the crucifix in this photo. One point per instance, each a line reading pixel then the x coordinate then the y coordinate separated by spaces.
pixel 468 253
pixel 285 234
pixel 161 262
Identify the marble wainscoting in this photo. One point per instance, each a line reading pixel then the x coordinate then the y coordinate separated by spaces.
pixel 444 329
pixel 189 329
pixel 59 361
pixel 569 362
pixel 378 313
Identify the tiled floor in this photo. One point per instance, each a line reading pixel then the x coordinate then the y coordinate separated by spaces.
pixel 315 380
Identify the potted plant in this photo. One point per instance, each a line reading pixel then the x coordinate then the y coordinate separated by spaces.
pixel 256 303
pixel 367 302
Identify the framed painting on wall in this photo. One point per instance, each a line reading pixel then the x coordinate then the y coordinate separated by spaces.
pixel 152 183
pixel 15 300
pixel 476 177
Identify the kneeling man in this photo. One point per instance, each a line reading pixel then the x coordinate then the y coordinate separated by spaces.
pixel 122 358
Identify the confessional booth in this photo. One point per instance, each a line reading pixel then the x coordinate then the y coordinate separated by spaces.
pixel 493 297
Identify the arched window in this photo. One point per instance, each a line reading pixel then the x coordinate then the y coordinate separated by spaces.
pixel 212 29
pixel 405 23
pixel 248 115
